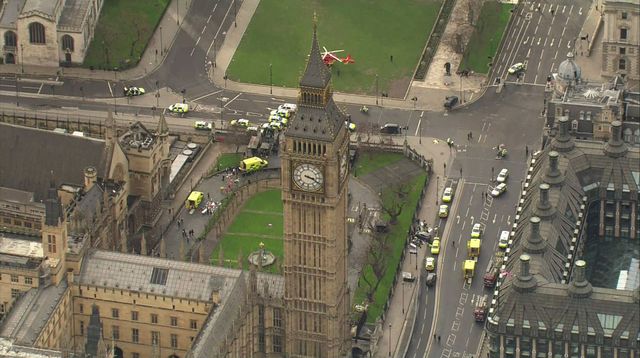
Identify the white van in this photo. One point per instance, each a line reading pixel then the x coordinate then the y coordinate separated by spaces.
pixel 503 241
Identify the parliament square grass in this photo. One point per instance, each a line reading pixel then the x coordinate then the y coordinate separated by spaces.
pixel 260 220
pixel 371 31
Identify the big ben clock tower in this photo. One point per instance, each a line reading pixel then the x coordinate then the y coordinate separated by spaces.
pixel 314 191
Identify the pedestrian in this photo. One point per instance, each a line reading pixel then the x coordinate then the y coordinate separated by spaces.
pixel 208 196
pixel 179 222
pixel 434 336
pixel 471 135
pixel 438 338
pixel 453 243
pixel 552 12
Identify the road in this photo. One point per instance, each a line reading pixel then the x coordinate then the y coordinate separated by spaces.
pixel 540 36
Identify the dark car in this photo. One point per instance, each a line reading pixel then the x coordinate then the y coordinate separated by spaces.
pixel 450 102
pixel 431 279
pixel 390 128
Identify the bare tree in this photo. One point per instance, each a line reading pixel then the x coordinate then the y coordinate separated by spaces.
pixel 393 201
pixel 377 258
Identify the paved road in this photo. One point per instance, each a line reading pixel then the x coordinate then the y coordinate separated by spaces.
pixel 540 36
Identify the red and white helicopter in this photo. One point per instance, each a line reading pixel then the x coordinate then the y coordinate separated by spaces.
pixel 329 58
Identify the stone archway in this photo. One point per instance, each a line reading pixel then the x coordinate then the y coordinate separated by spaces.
pixel 117 352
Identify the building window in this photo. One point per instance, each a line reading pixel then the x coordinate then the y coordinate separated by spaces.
pixel 81 308
pixel 623 15
pixel 14 278
pixel 115 313
pixel 622 64
pixel 134 315
pixel 261 345
pixel 51 243
pixel 28 280
pixel 174 321
pixel 154 318
pixel 193 324
pixel 67 43
pixel 277 317
pixel 174 341
pixel 36 33
pixel 155 338
pixel 622 50
pixel 82 328
pixel 135 335
pixel 115 332
pixel 10 39
pixel 623 34
pixel 135 355
pixel 277 344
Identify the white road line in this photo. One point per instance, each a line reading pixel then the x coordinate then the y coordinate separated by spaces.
pixel 536 30
pixel 566 22
pixel 559 42
pixel 110 90
pixel 580 11
pixel 541 54
pixel 418 127
pixel 206 95
pixel 209 19
pixel 548 33
pixel 528 52
pixel 539 39
pixel 570 10
pixel 564 8
pixel 40 89
pixel 233 99
pixel 192 50
pixel 535 79
pixel 542 10
pixel 539 65
pixel 563 30
pixel 525 41
pixel 552 40
pixel 198 40
pixel 551 68
pixel 204 28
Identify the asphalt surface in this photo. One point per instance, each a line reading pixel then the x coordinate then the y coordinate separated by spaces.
pixel 540 36
pixel 510 117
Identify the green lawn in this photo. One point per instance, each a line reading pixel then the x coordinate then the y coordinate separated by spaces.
pixel 122 32
pixel 486 38
pixel 258 212
pixel 228 160
pixel 368 162
pixel 398 234
pixel 370 30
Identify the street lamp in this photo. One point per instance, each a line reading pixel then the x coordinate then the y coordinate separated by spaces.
pixel 161 44
pixel 184 91
pixel 270 78
pixel 402 297
pixel 376 89
pixel 22 57
pixel 235 14
pixel 157 94
pixel 222 99
pixel 437 187
pixel 178 12
pixel 17 92
pixel 389 339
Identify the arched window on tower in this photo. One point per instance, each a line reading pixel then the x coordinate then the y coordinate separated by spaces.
pixel 10 39
pixel 622 64
pixel 67 43
pixel 36 33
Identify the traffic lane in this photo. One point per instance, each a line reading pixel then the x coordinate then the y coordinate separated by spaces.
pixel 423 320
pixel 450 316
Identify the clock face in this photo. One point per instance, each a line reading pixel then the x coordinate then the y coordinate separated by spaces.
pixel 308 177
pixel 344 165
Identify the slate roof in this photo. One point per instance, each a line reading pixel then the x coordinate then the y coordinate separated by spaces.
pixel 154 275
pixel 317 123
pixel 29 155
pixel 73 14
pixel 316 74
pixel 44 8
pixel 585 171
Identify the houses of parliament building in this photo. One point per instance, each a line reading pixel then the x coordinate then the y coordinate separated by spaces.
pixel 70 285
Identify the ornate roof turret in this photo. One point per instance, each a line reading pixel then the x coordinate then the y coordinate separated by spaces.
pixel 569 70
pixel 163 128
pixel 53 206
pixel 615 147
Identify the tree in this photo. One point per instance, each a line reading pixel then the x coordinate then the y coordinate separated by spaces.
pixel 377 257
pixel 141 28
pixel 393 201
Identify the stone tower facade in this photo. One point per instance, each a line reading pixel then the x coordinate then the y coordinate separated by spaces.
pixel 314 191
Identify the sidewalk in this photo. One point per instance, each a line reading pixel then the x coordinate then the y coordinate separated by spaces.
pixel 161 40
pixel 398 324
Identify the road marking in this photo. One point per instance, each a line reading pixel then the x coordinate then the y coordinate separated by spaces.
pixel 548 33
pixel 563 30
pixel 528 53
pixel 40 89
pixel 564 8
pixel 467 213
pixel 204 28
pixel 525 41
pixel 580 11
pixel 535 31
pixel 206 95
pixel 418 127
pixel 559 42
pixel 553 64
pixel 541 54
pixel 209 19
pixel 233 99
pixel 494 218
pixel 110 90
pixel 552 40
pixel 198 40
pixel 539 39
pixel 570 10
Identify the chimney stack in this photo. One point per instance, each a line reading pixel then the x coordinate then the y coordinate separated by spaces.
pixel 90 177
pixel 580 287
pixel 563 141
pixel 534 244
pixel 525 282
pixel 553 175
pixel 615 147
pixel 544 208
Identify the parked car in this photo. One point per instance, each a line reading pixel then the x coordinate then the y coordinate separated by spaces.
pixel 390 128
pixel 518 67
pixel 476 231
pixel 443 212
pixel 503 241
pixel 435 247
pixel 430 264
pixel 450 102
pixel 503 175
pixel 240 123
pixel 431 279
pixel 499 189
pixel 202 125
pixel 133 91
pixel 179 108
pixel 447 195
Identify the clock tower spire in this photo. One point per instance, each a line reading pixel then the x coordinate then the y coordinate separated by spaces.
pixel 315 170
